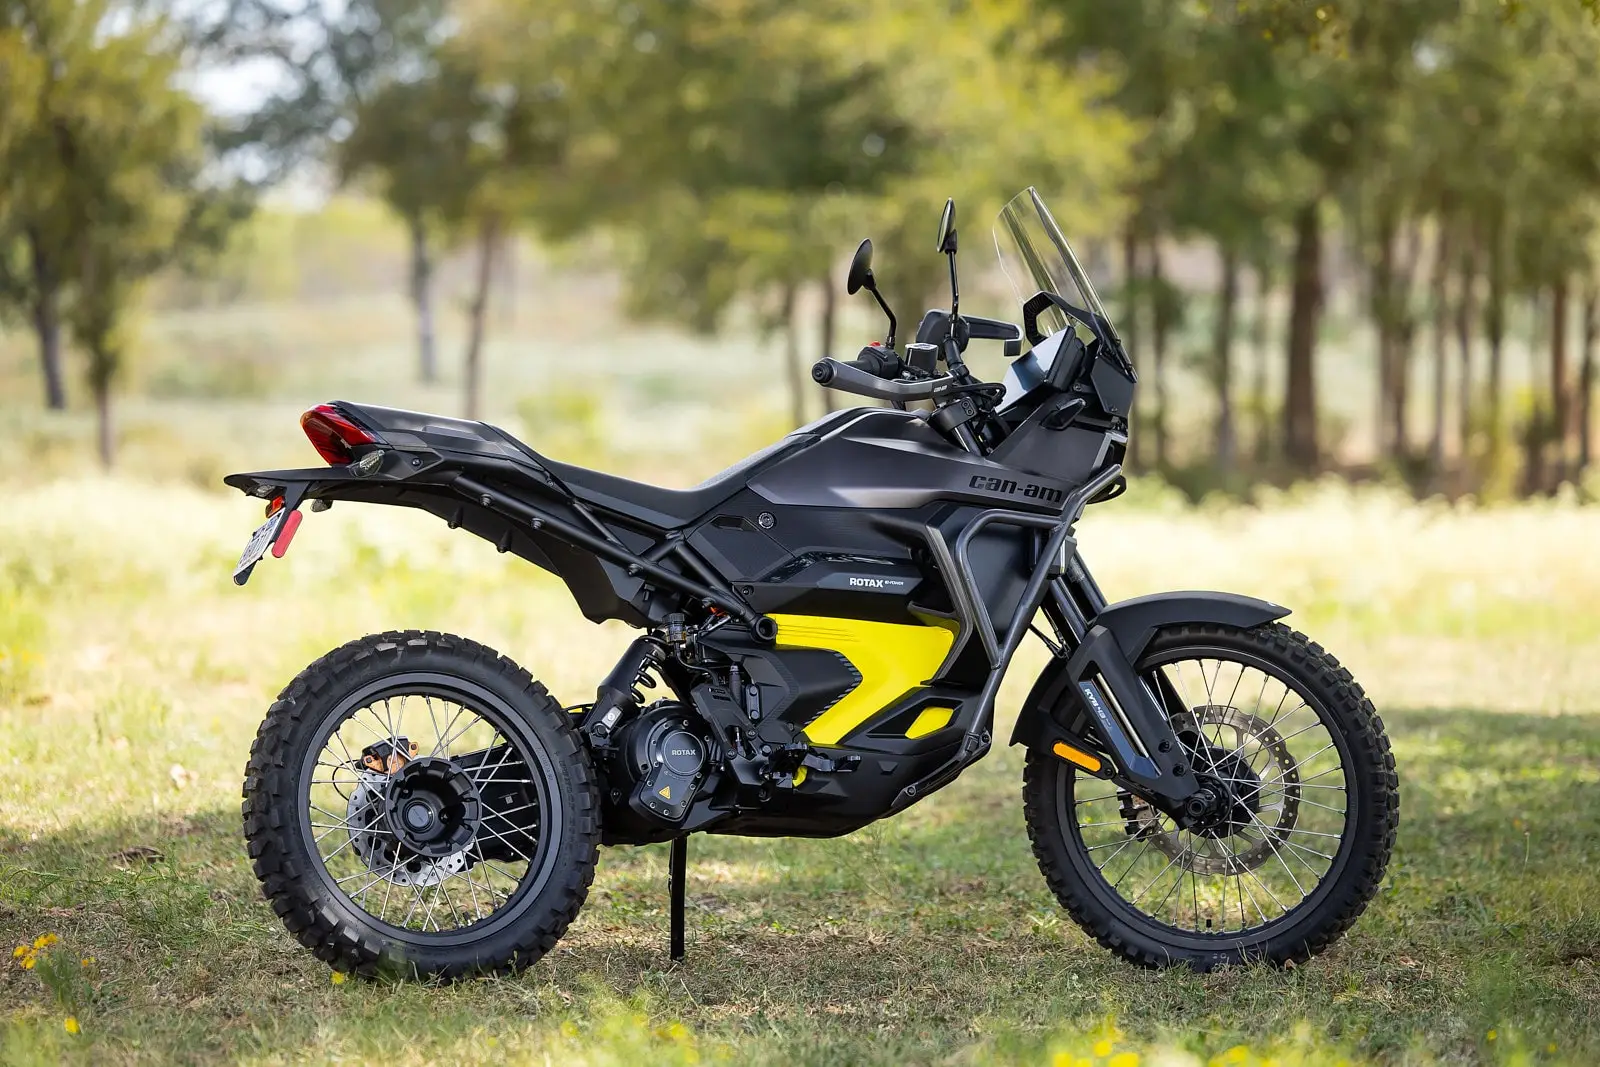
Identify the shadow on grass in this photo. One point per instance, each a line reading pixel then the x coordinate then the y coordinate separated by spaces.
pixel 929 933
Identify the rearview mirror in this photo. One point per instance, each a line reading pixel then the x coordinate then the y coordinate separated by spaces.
pixel 860 269
pixel 947 228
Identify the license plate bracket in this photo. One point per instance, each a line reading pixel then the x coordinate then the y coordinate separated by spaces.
pixel 260 541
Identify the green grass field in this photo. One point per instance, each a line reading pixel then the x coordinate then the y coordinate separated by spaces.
pixel 132 676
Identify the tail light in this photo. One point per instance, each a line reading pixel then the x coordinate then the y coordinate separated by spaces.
pixel 332 434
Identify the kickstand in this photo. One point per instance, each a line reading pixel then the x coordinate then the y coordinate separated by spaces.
pixel 677 864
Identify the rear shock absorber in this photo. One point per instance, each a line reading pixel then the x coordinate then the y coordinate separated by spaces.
pixel 619 693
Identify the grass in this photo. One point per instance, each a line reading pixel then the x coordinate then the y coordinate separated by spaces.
pixel 132 676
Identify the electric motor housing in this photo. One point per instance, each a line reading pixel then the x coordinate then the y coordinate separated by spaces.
pixel 665 754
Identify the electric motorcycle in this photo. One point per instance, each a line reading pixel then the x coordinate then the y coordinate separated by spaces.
pixel 825 627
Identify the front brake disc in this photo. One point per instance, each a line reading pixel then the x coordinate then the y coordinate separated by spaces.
pixel 1279 775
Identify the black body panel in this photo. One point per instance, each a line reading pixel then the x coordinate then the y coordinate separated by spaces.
pixel 894 460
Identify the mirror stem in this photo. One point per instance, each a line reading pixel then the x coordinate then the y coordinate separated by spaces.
pixel 955 291
pixel 889 341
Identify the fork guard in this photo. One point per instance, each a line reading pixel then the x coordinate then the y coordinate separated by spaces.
pixel 1097 686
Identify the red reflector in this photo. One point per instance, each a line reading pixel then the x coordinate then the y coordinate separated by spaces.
pixel 332 434
pixel 275 507
pixel 285 535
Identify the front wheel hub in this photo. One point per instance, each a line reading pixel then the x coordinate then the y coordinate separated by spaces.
pixel 433 807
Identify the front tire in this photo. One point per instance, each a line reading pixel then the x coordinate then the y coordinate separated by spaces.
pixel 368 854
pixel 1256 883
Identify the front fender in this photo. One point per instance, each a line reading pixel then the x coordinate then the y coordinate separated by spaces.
pixel 1133 623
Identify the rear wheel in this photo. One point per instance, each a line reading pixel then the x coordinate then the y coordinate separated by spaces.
pixel 416 803
pixel 1295 844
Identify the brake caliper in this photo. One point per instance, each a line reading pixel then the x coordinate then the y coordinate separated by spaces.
pixel 388 756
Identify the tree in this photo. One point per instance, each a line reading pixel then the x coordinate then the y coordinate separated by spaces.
pixel 362 92
pixel 112 184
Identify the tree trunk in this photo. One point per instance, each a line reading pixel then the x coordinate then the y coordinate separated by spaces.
pixel 1160 326
pixel 102 422
pixel 1591 333
pixel 1494 328
pixel 47 323
pixel 1560 387
pixel 829 396
pixel 1465 306
pixel 791 357
pixel 1305 304
pixel 1404 339
pixel 1222 356
pixel 472 374
pixel 1260 332
pixel 1130 331
pixel 422 301
pixel 1441 346
pixel 1383 315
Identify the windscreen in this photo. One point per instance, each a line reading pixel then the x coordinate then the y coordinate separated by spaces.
pixel 1036 258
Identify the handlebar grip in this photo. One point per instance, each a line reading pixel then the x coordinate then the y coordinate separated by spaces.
pixel 852 378
pixel 873 361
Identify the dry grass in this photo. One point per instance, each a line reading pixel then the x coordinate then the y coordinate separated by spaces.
pixel 134 674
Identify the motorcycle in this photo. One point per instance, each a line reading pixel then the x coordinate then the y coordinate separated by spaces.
pixel 826 625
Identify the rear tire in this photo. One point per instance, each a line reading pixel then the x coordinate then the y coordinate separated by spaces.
pixel 1355 863
pixel 293 873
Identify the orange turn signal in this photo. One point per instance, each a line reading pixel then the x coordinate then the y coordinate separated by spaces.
pixel 1073 755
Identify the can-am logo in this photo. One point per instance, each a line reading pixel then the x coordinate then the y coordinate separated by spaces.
pixel 1006 485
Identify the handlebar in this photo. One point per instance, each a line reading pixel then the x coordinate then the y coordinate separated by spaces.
pixel 865 376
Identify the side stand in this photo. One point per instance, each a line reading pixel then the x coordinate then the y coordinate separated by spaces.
pixel 676 868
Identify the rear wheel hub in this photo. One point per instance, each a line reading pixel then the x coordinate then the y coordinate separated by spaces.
pixel 433 807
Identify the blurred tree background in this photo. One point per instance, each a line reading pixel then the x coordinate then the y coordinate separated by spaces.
pixel 1355 236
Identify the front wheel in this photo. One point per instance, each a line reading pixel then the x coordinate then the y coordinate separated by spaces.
pixel 416 804
pixel 1294 848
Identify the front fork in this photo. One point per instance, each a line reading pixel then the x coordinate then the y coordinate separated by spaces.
pixel 1131 715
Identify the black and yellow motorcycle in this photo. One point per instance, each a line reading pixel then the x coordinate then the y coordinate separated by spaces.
pixel 825 628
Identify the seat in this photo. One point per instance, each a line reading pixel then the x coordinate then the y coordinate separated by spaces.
pixel 667 509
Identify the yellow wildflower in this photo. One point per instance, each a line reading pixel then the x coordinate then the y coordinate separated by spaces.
pixel 71 1024
pixel 1491 1035
pixel 87 961
pixel 338 978
pixel 1101 1048
pixel 45 940
pixel 1124 1059
pixel 27 964
pixel 20 951
pixel 569 1028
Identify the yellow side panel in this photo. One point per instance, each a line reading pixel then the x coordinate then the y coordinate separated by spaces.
pixel 892 659
pixel 929 720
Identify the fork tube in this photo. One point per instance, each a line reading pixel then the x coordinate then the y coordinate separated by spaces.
pixel 1084 585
